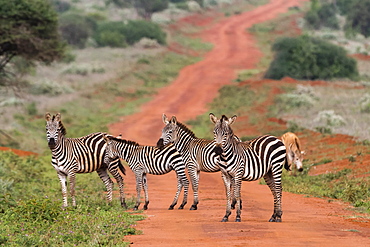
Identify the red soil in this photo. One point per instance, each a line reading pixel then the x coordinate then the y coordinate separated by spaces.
pixel 306 221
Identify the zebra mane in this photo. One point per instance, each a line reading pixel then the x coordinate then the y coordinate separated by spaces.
pixel 186 129
pixel 128 142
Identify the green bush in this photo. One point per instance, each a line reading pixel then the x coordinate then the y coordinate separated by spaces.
pixel 136 30
pixel 110 33
pixel 76 29
pixel 310 58
pixel 324 16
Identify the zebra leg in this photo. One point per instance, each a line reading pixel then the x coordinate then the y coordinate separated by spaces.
pixel 103 174
pixel 227 182
pixel 117 176
pixel 234 200
pixel 72 184
pixel 139 179
pixel 237 196
pixel 276 191
pixel 179 187
pixel 185 183
pixel 63 182
pixel 194 178
pixel 145 188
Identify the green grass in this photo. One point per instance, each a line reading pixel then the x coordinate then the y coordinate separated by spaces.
pixel 31 212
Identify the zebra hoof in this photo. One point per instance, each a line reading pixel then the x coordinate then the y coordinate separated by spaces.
pixel 145 207
pixel 224 219
pixel 181 207
pixel 171 207
pixel 135 208
pixel 124 205
pixel 238 220
pixel 193 207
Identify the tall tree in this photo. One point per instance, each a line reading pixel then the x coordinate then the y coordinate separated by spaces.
pixel 28 29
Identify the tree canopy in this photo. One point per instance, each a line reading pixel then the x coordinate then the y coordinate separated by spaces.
pixel 29 29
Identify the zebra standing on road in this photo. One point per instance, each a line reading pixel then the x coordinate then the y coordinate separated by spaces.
pixel 197 153
pixel 149 160
pixel 80 155
pixel 264 157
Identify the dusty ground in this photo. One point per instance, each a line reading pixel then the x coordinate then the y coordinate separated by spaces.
pixel 306 221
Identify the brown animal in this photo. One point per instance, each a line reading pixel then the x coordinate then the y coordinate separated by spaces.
pixel 293 149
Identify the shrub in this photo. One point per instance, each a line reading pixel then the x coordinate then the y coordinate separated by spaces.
pixel 76 29
pixel 329 118
pixel 310 58
pixel 110 33
pixel 136 30
pixel 49 87
pixel 325 16
pixel 365 103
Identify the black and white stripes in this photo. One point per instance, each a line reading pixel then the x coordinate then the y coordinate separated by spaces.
pixel 149 160
pixel 264 157
pixel 80 155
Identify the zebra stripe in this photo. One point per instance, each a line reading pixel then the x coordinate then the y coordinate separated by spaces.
pixel 261 157
pixel 80 155
pixel 149 160
pixel 197 153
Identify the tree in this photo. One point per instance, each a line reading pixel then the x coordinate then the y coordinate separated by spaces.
pixel 29 29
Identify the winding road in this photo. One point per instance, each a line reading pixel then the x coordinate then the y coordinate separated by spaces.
pixel 306 221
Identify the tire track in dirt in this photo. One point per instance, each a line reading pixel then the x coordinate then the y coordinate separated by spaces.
pixel 306 221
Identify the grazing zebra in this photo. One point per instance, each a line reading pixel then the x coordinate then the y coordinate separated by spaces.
pixel 197 153
pixel 261 157
pixel 149 160
pixel 80 155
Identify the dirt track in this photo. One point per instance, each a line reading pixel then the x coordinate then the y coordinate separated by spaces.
pixel 306 221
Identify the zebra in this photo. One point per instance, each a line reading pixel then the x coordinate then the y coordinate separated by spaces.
pixel 149 160
pixel 263 156
pixel 80 155
pixel 197 153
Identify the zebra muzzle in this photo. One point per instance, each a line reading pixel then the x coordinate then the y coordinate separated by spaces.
pixel 51 143
pixel 160 143
pixel 218 149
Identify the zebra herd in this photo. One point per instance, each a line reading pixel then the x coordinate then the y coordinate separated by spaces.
pixel 178 149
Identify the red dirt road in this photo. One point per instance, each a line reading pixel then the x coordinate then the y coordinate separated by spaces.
pixel 306 221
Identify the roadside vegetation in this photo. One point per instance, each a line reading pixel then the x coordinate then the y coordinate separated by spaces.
pixel 103 72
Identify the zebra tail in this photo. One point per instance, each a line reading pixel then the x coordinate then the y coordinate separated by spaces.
pixel 121 167
pixel 286 165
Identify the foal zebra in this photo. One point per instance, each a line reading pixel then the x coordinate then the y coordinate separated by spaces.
pixel 264 157
pixel 197 153
pixel 149 160
pixel 80 155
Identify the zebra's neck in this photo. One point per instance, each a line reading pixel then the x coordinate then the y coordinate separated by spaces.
pixel 125 148
pixel 184 137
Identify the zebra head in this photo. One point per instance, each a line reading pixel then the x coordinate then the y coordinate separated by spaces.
pixel 222 131
pixel 54 129
pixel 109 149
pixel 168 132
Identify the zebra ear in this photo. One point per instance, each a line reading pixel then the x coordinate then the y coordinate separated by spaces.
pixel 58 117
pixel 232 120
pixel 165 119
pixel 213 118
pixel 47 116
pixel 173 120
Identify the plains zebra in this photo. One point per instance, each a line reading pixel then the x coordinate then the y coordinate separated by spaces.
pixel 149 160
pixel 261 157
pixel 197 153
pixel 80 155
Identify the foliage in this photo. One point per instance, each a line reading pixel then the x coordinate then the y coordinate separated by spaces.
pixel 309 58
pixel 323 16
pixel 365 103
pixel 337 185
pixel 60 5
pixel 29 30
pixel 146 8
pixel 118 34
pixel 359 17
pixel 76 28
